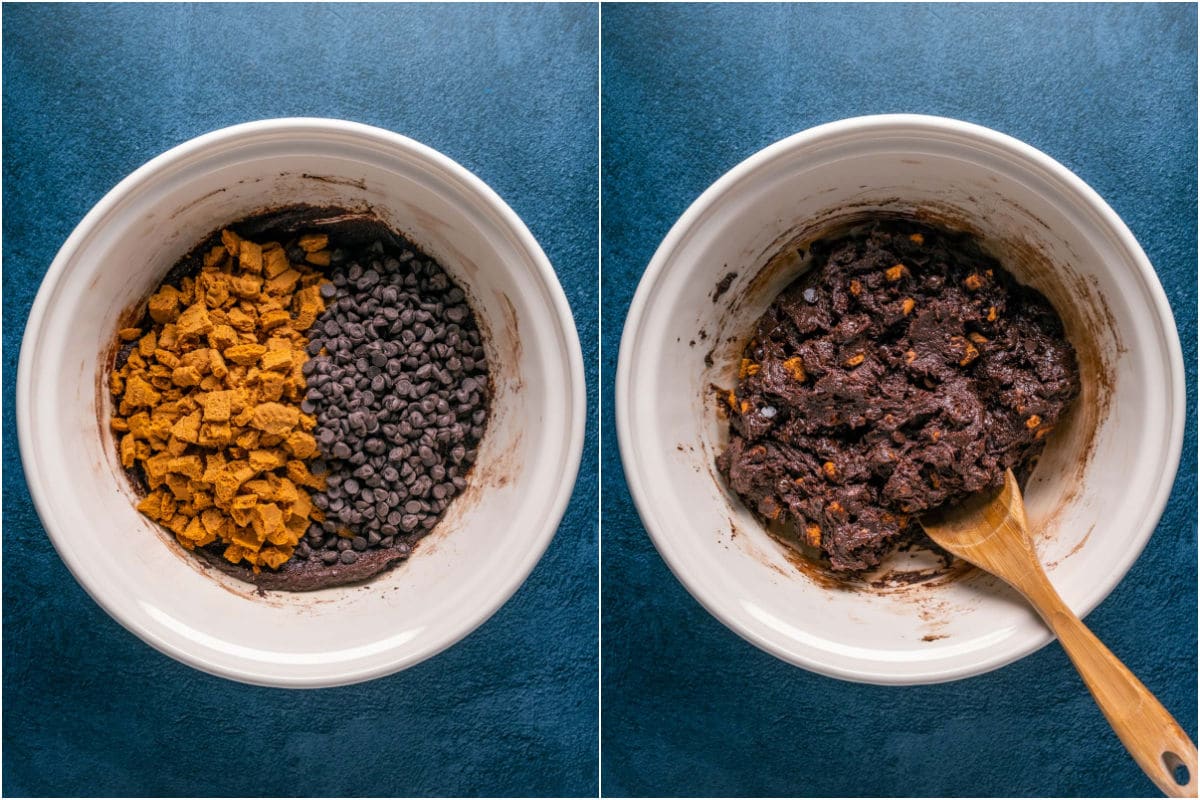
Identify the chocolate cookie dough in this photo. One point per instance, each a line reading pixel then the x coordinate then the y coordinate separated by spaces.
pixel 906 370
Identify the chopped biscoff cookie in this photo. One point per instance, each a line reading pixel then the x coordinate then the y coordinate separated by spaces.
pixel 207 403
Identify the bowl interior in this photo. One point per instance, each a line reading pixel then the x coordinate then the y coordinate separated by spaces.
pixel 1104 472
pixel 490 537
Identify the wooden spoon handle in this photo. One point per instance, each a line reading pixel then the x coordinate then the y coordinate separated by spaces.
pixel 1148 731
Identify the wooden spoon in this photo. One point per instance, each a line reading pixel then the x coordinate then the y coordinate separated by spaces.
pixel 990 532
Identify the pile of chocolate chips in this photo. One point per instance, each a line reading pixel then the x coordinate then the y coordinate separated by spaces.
pixel 398 381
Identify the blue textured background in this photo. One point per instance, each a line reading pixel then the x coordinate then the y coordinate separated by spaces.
pixel 92 92
pixel 688 92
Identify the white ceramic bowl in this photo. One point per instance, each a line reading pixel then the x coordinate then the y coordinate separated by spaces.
pixel 493 534
pixel 1097 493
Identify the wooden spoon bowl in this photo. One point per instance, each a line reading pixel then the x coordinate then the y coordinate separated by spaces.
pixel 991 533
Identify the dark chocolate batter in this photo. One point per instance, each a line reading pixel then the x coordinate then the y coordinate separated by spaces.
pixel 904 372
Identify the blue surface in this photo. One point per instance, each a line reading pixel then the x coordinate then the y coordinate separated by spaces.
pixel 92 92
pixel 690 91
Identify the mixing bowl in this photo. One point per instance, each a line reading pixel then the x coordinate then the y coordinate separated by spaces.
pixel 491 536
pixel 1097 492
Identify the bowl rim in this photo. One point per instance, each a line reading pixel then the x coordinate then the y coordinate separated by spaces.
pixel 556 501
pixel 863 127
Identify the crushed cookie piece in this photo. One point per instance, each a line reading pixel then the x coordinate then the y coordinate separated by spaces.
pixel 812 534
pixel 796 368
pixel 320 258
pixel 966 350
pixel 164 304
pixel 312 242
pixel 275 418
